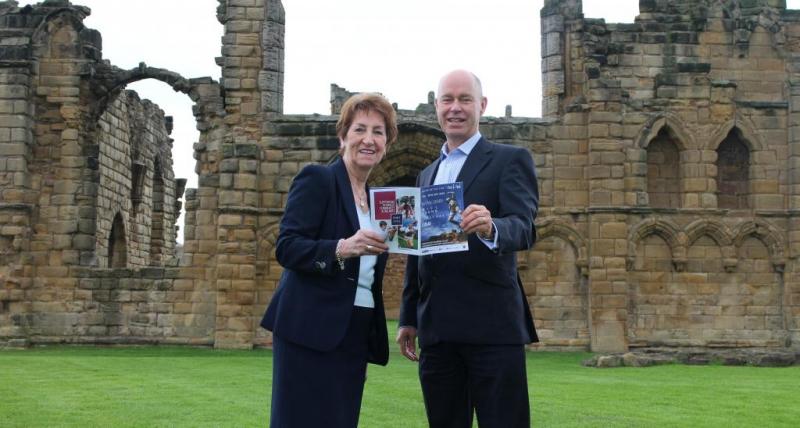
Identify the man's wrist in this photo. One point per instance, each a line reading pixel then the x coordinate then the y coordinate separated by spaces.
pixel 489 236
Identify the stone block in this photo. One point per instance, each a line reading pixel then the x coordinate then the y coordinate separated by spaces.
pixel 244 182
pixel 69 134
pixel 234 26
pixel 768 202
pixel 229 197
pixel 764 186
pixel 609 361
pixel 63 227
pixel 599 171
pixel 229 165
pixel 695 184
pixel 614 230
pixel 12 149
pixel 598 130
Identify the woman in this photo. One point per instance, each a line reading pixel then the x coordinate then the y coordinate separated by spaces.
pixel 327 314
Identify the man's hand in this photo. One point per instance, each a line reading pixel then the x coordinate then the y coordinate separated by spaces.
pixel 407 339
pixel 477 219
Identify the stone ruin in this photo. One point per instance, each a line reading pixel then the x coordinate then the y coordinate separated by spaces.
pixel 668 159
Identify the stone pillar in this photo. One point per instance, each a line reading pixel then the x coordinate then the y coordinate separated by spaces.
pixel 607 219
pixel 608 282
pixel 270 79
pixel 237 246
pixel 252 77
pixel 608 287
pixel 15 136
pixel 556 52
pixel 252 60
pixel 16 199
pixel 792 274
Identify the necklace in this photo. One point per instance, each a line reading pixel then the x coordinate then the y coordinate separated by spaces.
pixel 362 200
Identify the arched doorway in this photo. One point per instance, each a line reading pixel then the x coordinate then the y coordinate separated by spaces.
pixel 416 147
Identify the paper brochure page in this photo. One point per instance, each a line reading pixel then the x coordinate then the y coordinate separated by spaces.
pixel 442 206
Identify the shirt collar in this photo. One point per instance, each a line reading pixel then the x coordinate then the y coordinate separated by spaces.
pixel 465 147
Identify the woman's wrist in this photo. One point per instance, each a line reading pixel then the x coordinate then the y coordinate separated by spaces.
pixel 339 256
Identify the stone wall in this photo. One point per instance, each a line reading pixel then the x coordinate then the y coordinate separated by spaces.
pixel 133 140
pixel 667 161
pixel 86 175
pixel 677 257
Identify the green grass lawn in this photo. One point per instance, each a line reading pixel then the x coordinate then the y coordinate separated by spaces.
pixel 168 386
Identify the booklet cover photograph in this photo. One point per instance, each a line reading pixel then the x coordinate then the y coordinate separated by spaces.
pixel 420 220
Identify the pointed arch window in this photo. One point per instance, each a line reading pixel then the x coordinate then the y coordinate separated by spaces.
pixel 157 225
pixel 663 172
pixel 117 244
pixel 733 172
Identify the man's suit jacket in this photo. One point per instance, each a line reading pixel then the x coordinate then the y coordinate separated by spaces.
pixel 476 296
pixel 314 299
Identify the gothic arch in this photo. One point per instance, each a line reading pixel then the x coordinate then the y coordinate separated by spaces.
pixel 551 226
pixel 659 154
pixel 408 156
pixel 768 19
pixel 718 232
pixel 111 82
pixel 743 127
pixel 667 230
pixel 72 16
pixel 672 124
pixel 766 233
pixel 117 243
pixel 179 83
pixel 409 127
pixel 712 228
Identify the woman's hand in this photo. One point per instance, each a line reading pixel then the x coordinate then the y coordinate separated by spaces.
pixel 363 243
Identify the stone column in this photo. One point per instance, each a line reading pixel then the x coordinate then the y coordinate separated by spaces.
pixel 16 198
pixel 270 79
pixel 252 63
pixel 556 52
pixel 791 293
pixel 607 216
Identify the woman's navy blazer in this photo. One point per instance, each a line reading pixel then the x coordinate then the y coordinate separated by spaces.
pixel 314 299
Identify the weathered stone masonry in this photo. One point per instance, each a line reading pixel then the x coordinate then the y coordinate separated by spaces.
pixel 668 160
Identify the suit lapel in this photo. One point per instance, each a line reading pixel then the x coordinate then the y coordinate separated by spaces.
pixel 343 183
pixel 429 173
pixel 476 161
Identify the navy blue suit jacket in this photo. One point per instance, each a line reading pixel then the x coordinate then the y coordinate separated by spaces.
pixel 314 299
pixel 476 297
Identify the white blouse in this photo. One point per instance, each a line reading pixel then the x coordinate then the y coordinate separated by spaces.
pixel 366 270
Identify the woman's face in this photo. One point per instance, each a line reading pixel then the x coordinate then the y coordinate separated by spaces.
pixel 365 142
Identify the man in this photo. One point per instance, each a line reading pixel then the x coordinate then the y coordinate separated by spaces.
pixel 469 309
pixel 452 205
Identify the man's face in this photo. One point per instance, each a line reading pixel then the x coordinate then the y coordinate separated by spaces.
pixel 459 106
